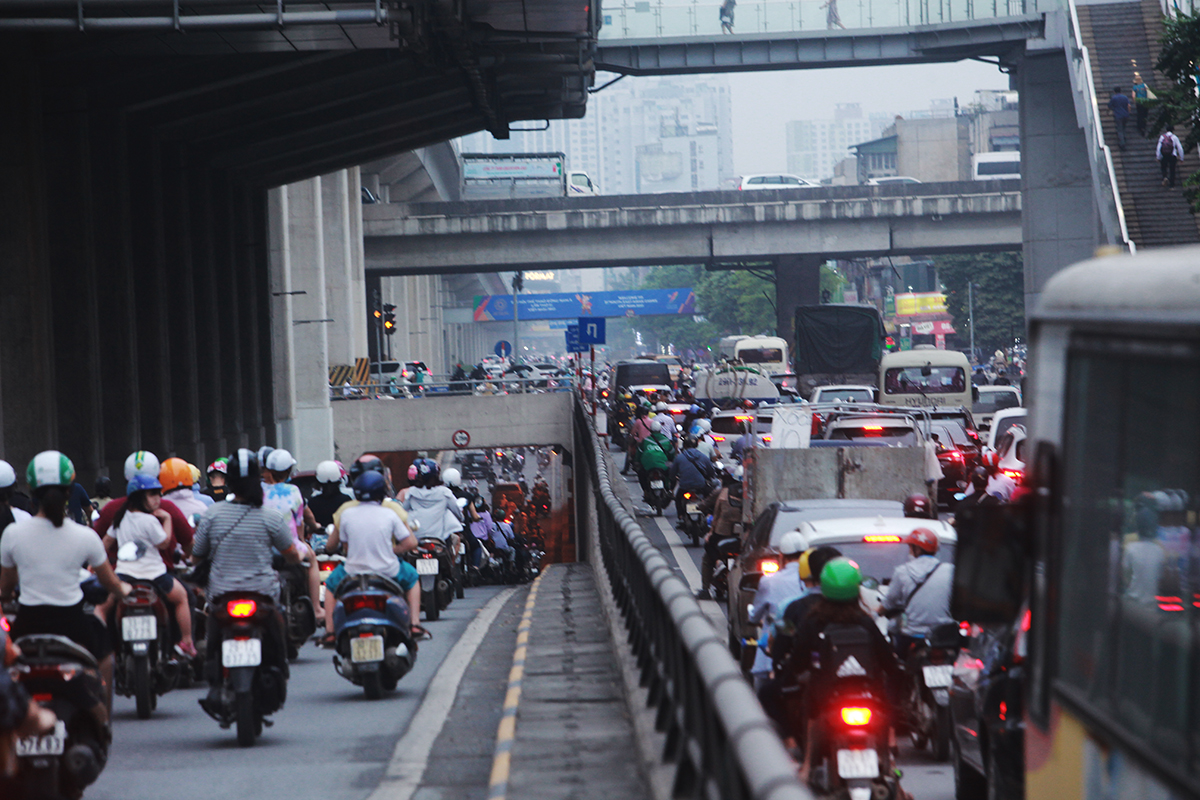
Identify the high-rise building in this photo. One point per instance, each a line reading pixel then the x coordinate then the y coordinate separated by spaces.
pixel 640 135
pixel 815 146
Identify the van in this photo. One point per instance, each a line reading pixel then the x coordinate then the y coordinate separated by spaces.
pixel 768 354
pixel 925 377
pixel 996 166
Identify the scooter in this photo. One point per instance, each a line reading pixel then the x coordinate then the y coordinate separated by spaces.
pixel 375 647
pixel 930 669
pixel 435 568
pixel 299 616
pixel 659 496
pixel 693 520
pixel 145 665
pixel 245 689
pixel 726 550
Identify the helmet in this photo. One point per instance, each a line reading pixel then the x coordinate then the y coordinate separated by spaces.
pixel 370 486
pixel 8 475
pixel 656 426
pixel 174 473
pixel 263 452
pixel 50 468
pixel 805 569
pixel 141 483
pixel 365 462
pixel 412 472
pixel 923 539
pixel 452 477
pixel 705 425
pixel 689 441
pixel 243 464
pixel 280 461
pixel 693 409
pixel 221 465
pixel 428 470
pixel 793 542
pixel 737 473
pixel 979 478
pixel 840 579
pixel 328 472
pixel 917 505
pixel 660 406
pixel 991 460
pixel 141 462
pixel 196 475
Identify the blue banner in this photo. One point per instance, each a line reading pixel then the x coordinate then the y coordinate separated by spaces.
pixel 639 303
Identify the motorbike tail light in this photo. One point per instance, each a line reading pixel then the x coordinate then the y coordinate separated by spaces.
pixel 856 716
pixel 43 698
pixel 241 608
pixel 1020 642
pixel 5 625
pixel 1015 474
pixel 687 495
pixel 1166 603
pixel 362 602
pixel 767 567
pixel 327 566
pixel 766 439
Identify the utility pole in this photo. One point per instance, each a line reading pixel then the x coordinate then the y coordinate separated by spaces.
pixel 971 316
pixel 518 283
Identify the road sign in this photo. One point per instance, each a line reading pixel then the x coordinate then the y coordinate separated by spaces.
pixel 503 348
pixel 591 330
pixel 573 343
pixel 461 438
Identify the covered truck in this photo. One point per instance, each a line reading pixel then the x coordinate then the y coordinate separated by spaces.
pixel 837 344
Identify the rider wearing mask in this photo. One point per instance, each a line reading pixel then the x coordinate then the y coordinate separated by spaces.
pixel 142 462
pixel 239 537
pixel 45 553
pixel 920 590
pixel 693 471
pixel 725 505
pixel 216 479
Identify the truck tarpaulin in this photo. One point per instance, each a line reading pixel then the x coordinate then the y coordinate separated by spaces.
pixel 838 339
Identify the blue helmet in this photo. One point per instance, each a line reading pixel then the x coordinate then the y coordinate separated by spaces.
pixel 428 471
pixel 140 483
pixel 370 486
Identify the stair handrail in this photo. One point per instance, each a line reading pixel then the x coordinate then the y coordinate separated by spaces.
pixel 1087 112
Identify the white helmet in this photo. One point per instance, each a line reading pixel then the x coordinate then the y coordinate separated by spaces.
pixel 280 461
pixel 793 542
pixel 328 472
pixel 738 472
pixel 705 425
pixel 660 406
pixel 656 426
pixel 8 476
pixel 141 462
pixel 452 477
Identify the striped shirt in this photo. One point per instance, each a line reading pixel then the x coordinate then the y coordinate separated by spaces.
pixel 241 537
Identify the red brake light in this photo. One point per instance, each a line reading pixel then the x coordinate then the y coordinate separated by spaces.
pixel 856 716
pixel 327 566
pixel 872 427
pixel 741 418
pixel 358 602
pixel 766 440
pixel 881 539
pixel 687 495
pixel 241 608
pixel 717 438
pixel 768 567
pixel 4 625
pixel 1015 474
pixel 952 455
pixel 1169 603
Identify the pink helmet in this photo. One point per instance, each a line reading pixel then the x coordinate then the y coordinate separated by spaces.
pixel 412 472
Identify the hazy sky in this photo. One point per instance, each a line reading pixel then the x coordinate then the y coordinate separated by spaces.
pixel 763 102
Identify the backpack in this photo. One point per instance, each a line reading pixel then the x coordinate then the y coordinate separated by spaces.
pixel 1166 145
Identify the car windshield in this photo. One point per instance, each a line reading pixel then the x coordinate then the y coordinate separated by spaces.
pixel 909 380
pixel 760 355
pixel 990 402
pixel 879 559
pixel 845 396
pixel 949 432
pixel 892 435
pixel 643 374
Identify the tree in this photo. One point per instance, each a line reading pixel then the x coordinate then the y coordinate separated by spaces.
pixel 727 302
pixel 1177 103
pixel 999 294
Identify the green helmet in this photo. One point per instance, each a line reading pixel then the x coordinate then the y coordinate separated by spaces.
pixel 49 468
pixel 840 579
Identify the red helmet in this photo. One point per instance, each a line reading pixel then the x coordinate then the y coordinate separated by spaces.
pixel 991 460
pixel 917 505
pixel 923 539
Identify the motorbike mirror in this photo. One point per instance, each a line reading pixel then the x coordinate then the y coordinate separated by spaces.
pixel 128 552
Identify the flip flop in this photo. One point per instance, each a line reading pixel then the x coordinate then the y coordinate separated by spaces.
pixel 420 633
pixel 328 641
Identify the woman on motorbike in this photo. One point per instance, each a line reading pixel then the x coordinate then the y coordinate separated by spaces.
pixel 428 502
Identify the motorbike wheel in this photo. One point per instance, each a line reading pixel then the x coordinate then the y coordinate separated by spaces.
pixel 143 689
pixel 695 537
pixel 247 725
pixel 430 605
pixel 458 589
pixel 372 683
pixel 941 733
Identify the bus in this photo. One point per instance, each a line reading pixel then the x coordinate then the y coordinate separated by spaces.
pixel 925 376
pixel 996 166
pixel 1106 546
pixel 768 354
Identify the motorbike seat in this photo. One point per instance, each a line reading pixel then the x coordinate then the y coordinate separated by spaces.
pixel 52 648
pixel 368 581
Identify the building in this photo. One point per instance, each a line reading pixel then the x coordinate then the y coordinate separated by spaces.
pixel 994 123
pixel 814 147
pixel 930 149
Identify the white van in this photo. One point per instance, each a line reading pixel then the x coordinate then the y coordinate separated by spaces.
pixel 925 376
pixel 996 166
pixel 769 354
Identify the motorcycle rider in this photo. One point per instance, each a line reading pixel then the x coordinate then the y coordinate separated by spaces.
pixel 693 472
pixel 664 418
pixel 374 537
pixel 142 462
pixel 920 591
pixel 44 553
pixel 287 499
pixel 773 593
pixel 485 529
pixel 654 452
pixel 638 432
pixel 744 442
pixel 917 506
pixel 175 478
pixel 8 512
pixel 330 495
pixel 725 505
pixel 431 504
pixel 196 492
pixel 216 479
pixel 238 537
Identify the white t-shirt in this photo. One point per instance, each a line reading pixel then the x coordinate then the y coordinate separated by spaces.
pixel 369 531
pixel 147 533
pixel 48 559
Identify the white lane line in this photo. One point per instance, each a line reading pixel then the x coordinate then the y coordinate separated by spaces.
pixel 691 574
pixel 407 766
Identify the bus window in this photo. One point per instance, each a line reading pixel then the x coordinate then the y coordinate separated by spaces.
pixel 1129 585
pixel 760 355
pixel 910 380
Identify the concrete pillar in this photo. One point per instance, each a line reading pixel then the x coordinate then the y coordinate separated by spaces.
pixel 797 283
pixel 1059 217
pixel 345 281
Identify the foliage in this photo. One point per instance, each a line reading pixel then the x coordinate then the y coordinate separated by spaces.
pixel 999 296
pixel 727 302
pixel 831 281
pixel 1177 103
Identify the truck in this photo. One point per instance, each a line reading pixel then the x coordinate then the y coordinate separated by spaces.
pixel 837 344
pixel 509 176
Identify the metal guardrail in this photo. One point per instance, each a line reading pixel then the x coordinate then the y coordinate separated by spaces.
pixel 443 386
pixel 174 15
pixel 718 738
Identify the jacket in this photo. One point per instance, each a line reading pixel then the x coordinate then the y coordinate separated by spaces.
pixel 928 606
pixel 428 506
pixel 693 470
pixel 655 457
pixel 726 508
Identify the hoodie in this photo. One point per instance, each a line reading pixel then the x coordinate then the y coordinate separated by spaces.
pixel 429 506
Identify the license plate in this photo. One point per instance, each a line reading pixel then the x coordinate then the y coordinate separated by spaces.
pixel 427 566
pixel 858 763
pixel 938 676
pixel 143 628
pixel 692 508
pixel 241 652
pixel 48 745
pixel 366 649
pixel 656 484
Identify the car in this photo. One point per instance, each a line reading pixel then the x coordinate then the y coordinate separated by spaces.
pixel 877 543
pixel 888 180
pixel 874 430
pixel 760 554
pixel 1011 452
pixel 774 180
pixel 958 454
pixel 992 399
pixel 1001 422
pixel 475 466
pixel 642 376
pixel 843 394
pixel 674 367
pixel 726 428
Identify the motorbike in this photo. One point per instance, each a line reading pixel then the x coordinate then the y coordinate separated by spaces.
pixel 659 496
pixel 144 665
pixel 375 647
pixel 435 567
pixel 693 519
pixel 246 689
pixel 727 549
pixel 64 678
pixel 299 616
pixel 326 563
pixel 930 669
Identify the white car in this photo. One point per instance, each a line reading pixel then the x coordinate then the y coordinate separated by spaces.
pixel 843 394
pixel 1002 421
pixel 726 429
pixel 993 399
pixel 888 180
pixel 1011 451
pixel 877 544
pixel 774 181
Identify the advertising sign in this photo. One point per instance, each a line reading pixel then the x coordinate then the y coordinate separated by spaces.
pixel 639 303
pixel 911 303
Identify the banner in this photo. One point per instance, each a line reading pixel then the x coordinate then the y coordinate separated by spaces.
pixel 909 303
pixel 641 303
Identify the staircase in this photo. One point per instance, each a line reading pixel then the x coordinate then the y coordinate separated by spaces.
pixel 1117 36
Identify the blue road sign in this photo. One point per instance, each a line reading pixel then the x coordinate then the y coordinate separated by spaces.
pixel 591 330
pixel 573 343
pixel 503 348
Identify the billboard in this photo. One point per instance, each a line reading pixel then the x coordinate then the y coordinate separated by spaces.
pixel 639 303
pixel 910 304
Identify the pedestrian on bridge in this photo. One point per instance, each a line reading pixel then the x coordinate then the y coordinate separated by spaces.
pixel 726 14
pixel 1119 103
pixel 1169 153
pixel 832 18
pixel 1142 95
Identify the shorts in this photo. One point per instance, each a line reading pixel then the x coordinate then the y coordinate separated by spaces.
pixel 407 577
pixel 69 621
pixel 164 583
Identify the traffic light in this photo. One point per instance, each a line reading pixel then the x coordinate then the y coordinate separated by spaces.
pixel 377 313
pixel 389 319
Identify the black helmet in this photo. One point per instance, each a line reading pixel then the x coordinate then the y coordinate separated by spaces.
pixel 370 485
pixel 243 464
pixel 979 478
pixel 689 442
pixel 365 463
